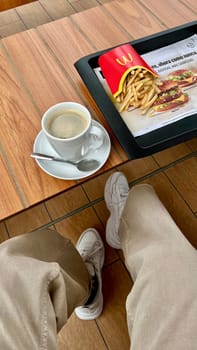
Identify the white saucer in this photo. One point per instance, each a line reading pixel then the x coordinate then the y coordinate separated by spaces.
pixel 66 171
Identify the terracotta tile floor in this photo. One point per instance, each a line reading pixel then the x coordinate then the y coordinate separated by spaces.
pixel 172 172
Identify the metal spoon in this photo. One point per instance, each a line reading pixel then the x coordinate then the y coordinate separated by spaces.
pixel 82 165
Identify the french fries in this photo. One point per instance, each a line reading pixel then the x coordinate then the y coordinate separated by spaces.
pixel 139 90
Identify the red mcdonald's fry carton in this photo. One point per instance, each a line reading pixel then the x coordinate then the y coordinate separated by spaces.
pixel 117 63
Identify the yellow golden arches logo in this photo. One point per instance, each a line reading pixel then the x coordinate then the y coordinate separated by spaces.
pixel 125 59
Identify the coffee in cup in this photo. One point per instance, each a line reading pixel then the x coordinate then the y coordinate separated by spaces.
pixel 68 128
pixel 68 124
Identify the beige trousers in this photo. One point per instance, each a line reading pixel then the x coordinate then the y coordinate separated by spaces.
pixel 43 279
pixel 162 306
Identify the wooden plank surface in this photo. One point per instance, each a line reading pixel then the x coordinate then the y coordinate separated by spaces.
pixel 192 4
pixel 50 85
pixel 79 5
pixel 33 15
pixel 20 125
pixel 172 13
pixel 57 9
pixel 134 18
pixel 77 329
pixel 7 4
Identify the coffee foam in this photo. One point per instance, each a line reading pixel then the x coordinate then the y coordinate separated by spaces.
pixel 68 124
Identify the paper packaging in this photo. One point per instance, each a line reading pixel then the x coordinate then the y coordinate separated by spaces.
pixel 181 56
pixel 117 63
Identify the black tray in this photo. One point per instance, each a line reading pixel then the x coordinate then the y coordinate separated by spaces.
pixel 156 140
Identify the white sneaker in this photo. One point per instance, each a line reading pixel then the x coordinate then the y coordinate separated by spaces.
pixel 91 249
pixel 116 192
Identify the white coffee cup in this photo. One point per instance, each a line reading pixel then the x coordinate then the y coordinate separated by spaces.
pixel 69 130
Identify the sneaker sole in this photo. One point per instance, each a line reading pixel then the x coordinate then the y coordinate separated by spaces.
pixel 85 317
pixel 111 234
pixel 79 311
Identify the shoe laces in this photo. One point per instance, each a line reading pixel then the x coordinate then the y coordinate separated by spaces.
pixel 119 195
pixel 88 254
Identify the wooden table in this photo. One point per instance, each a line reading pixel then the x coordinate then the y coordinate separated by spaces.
pixel 36 71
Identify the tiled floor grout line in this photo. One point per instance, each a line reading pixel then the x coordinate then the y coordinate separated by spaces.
pixel 179 192
pixel 72 213
pixel 131 183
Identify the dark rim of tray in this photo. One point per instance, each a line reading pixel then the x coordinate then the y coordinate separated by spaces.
pixel 153 141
